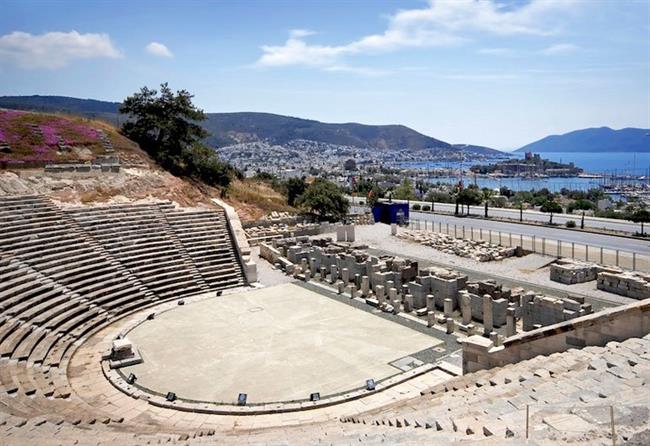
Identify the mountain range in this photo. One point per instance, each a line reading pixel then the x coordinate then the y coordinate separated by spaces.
pixel 234 128
pixel 600 139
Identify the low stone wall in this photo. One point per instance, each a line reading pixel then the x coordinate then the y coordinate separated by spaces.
pixel 260 234
pixel 570 271
pixel 478 250
pixel 241 241
pixel 630 284
pixel 612 324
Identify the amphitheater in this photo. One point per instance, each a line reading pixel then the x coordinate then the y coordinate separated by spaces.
pixel 222 353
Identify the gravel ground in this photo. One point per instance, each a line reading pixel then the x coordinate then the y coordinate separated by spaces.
pixel 531 271
pixel 266 274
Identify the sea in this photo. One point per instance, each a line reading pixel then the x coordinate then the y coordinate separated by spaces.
pixel 636 164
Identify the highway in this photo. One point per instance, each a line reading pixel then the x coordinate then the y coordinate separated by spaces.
pixel 536 216
pixel 598 240
pixel 565 235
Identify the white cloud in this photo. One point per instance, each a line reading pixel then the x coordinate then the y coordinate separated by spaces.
pixel 442 23
pixel 298 33
pixel 497 51
pixel 158 49
pixel 560 49
pixel 54 49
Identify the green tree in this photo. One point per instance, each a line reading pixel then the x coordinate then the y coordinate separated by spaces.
pixel 325 200
pixel 295 187
pixel 404 191
pixel 164 124
pixel 551 207
pixel 486 194
pixel 582 205
pixel 470 196
pixel 640 216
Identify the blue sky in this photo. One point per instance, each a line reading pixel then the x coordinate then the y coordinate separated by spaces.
pixel 496 73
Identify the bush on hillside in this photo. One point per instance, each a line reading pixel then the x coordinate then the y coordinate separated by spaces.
pixel 415 207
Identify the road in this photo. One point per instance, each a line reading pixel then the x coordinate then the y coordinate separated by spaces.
pixel 579 237
pixel 597 240
pixel 534 216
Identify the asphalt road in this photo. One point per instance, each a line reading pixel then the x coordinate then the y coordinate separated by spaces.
pixel 597 240
pixel 536 216
pixel 580 237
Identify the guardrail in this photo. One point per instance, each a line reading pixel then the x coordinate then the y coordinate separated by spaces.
pixel 540 245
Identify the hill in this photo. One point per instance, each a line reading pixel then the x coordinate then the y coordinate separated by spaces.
pixel 601 139
pixel 234 128
pixel 35 139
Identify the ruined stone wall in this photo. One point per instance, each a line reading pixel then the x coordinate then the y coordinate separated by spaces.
pixel 612 324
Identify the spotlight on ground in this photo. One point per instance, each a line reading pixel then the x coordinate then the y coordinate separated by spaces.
pixel 370 384
pixel 131 379
pixel 151 316
pixel 241 399
pixel 181 302
pixel 219 293
pixel 171 396
pixel 314 396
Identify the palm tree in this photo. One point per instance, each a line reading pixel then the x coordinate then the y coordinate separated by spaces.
pixel 486 194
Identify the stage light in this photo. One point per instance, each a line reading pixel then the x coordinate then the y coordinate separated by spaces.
pixel 241 399
pixel 151 316
pixel 131 379
pixel 181 302
pixel 370 384
pixel 219 293
pixel 171 396
pixel 314 396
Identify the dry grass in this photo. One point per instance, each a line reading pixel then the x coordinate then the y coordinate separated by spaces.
pixel 254 199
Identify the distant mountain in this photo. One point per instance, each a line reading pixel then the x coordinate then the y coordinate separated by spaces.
pixel 477 149
pixel 233 128
pixel 90 108
pixel 601 139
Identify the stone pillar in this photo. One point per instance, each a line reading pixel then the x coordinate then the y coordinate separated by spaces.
pixel 304 265
pixel 396 306
pixel 353 291
pixel 340 286
pixel 357 281
pixel 340 233
pixel 345 275
pixel 389 284
pixel 365 286
pixel 431 318
pixel 511 328
pixel 392 295
pixel 393 229
pixel 494 337
pixel 312 266
pixel 448 307
pixel 405 290
pixel 334 274
pixel 466 307
pixel 487 315
pixel 379 292
pixel 431 303
pixel 349 233
pixel 450 325
pixel 323 273
pixel 526 311
pixel 408 303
